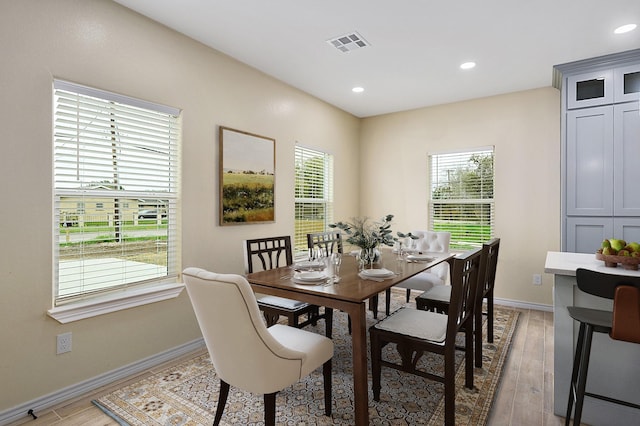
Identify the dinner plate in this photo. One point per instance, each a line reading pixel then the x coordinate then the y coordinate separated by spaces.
pixel 382 272
pixel 423 257
pixel 310 276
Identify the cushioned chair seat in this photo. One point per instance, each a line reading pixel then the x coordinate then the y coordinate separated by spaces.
pixel 317 349
pixel 420 324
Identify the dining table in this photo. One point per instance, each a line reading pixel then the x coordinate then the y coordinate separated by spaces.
pixel 349 295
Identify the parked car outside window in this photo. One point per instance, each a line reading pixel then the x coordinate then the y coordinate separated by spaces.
pixel 149 214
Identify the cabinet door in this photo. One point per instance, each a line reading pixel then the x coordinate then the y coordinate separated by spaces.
pixel 585 234
pixel 590 162
pixel 626 163
pixel 627 228
pixel 590 89
pixel 626 83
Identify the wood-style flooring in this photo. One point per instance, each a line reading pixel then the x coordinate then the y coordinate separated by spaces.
pixel 525 394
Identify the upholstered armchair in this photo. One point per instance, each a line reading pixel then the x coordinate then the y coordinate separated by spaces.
pixel 244 352
pixel 429 241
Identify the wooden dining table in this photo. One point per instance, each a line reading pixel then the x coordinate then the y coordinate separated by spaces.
pixel 348 295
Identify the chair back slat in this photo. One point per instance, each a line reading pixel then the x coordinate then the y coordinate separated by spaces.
pixel 464 281
pixel 271 252
pixel 329 242
pixel 601 284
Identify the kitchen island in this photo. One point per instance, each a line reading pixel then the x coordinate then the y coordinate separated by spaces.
pixel 614 367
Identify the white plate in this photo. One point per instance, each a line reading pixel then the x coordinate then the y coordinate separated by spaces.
pixel 420 257
pixel 377 272
pixel 310 276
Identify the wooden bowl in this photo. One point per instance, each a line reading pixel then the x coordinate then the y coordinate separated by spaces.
pixel 630 263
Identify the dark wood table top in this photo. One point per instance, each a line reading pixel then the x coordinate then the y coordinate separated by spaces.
pixel 351 287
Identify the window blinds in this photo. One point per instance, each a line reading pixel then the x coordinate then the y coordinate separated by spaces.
pixel 313 194
pixel 461 201
pixel 115 191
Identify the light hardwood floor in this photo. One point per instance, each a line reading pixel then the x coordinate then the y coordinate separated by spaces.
pixel 525 394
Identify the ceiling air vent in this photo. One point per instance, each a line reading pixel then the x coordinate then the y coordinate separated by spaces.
pixel 348 42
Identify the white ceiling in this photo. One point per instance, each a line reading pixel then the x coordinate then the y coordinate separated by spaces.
pixel 416 45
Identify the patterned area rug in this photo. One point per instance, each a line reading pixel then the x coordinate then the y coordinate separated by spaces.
pixel 186 394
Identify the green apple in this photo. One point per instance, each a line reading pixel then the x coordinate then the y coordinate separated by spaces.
pixel 609 251
pixel 617 244
pixel 624 252
pixel 606 244
pixel 634 246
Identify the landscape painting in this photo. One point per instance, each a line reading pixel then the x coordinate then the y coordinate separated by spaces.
pixel 247 177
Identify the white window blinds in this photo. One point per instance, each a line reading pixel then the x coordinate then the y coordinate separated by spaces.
pixel 115 192
pixel 461 201
pixel 313 194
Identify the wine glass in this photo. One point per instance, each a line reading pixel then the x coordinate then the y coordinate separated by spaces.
pixel 336 259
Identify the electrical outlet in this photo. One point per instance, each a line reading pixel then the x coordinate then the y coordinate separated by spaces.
pixel 537 279
pixel 63 343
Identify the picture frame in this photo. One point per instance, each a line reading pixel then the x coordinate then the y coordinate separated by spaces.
pixel 246 177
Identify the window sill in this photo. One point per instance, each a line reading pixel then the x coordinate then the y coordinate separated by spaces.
pixel 104 305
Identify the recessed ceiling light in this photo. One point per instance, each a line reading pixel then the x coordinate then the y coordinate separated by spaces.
pixel 357 89
pixel 625 28
pixel 468 65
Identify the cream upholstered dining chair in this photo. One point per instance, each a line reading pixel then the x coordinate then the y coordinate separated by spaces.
pixel 272 252
pixel 435 242
pixel 244 352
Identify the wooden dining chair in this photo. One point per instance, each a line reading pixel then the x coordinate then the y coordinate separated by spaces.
pixel 329 242
pixel 244 352
pixel 416 332
pixel 437 299
pixel 273 252
pixel 623 323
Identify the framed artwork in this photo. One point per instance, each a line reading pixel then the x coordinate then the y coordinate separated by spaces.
pixel 247 177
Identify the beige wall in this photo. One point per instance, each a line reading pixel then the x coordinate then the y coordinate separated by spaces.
pixel 524 128
pixel 101 44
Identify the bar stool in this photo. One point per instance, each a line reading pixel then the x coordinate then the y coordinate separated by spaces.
pixel 621 324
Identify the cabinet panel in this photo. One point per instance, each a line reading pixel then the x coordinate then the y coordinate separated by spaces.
pixel 589 162
pixel 585 234
pixel 626 169
pixel 627 228
pixel 590 89
pixel 626 83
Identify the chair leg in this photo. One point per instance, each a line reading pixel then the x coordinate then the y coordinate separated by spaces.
pixel 490 316
pixel 375 365
pixel 222 400
pixel 468 354
pixel 373 306
pixel 388 301
pixel 582 375
pixel 326 372
pixel 449 388
pixel 477 331
pixel 270 409
pixel 574 374
pixel 328 321
pixel 408 294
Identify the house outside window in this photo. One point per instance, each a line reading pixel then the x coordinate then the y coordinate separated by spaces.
pixel 461 196
pixel 112 152
pixel 313 195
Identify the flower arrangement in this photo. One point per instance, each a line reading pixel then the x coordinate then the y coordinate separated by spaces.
pixel 369 235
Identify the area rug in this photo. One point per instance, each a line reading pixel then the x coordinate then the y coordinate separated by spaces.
pixel 186 394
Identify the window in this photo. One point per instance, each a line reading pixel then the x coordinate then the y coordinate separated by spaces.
pixel 314 195
pixel 113 158
pixel 461 200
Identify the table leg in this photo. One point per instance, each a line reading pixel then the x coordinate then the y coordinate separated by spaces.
pixel 359 350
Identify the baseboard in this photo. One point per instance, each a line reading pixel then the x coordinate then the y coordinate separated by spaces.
pixel 47 402
pixel 523 305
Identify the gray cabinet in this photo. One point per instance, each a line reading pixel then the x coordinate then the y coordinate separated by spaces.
pixel 601 150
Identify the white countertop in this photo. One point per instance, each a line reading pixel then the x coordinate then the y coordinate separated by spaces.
pixel 565 263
